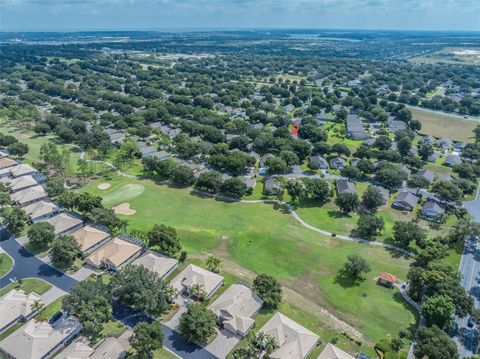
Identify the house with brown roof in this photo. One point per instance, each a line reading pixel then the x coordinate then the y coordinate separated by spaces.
pixel 387 279
pixel 6 162
pixel 114 254
pixel 29 195
pixel 90 237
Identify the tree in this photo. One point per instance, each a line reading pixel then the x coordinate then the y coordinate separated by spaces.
pixel 463 230
pixel 270 344
pixel 209 181
pixel 86 202
pixel 404 145
pixel 18 149
pixel 41 234
pixel 269 289
pixel 351 172
pixel 372 198
pixel 107 217
pixel 425 151
pixel 276 165
pixel 166 238
pixel 64 250
pixel 405 233
pixel 233 187
pixel 356 265
pixel 182 176
pixel 418 183
pixel 14 219
pixel 369 226
pixel 347 202
pixel 147 338
pixel 198 323
pixel 439 310
pixel 390 177
pixel 435 344
pixel 142 289
pixel 447 191
pixel 68 200
pixel 341 149
pixel 55 187
pixel 213 264
pixel 383 143
pixel 91 302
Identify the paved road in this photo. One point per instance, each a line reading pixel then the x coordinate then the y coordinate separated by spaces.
pixel 467 338
pixel 473 207
pixel 26 265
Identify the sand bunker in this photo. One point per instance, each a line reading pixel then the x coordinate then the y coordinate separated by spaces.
pixel 103 186
pixel 124 208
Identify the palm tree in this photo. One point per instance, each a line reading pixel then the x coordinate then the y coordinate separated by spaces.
pixel 36 305
pixel 270 344
pixel 214 264
pixel 198 292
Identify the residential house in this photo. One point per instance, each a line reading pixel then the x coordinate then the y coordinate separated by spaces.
pixel 337 163
pixel 110 348
pixel 459 146
pixel 115 253
pixel 39 339
pixel 445 177
pixel 161 155
pixel 332 352
pixel 445 143
pixel 16 306
pixel 429 139
pixel 24 169
pixel 90 237
pixel 319 161
pixel 29 195
pixel 193 276
pixel 146 150
pixel 434 157
pixel 65 223
pixel 236 307
pixel 405 201
pixel 384 192
pixel 369 142
pixel 427 174
pixel 6 162
pixel 405 170
pixel 387 279
pixel 344 186
pixel 272 186
pixel 40 210
pixel 452 160
pixel 250 182
pixel 78 349
pixel 354 128
pixel 433 211
pixel 19 183
pixel 396 125
pixel 158 263
pixel 288 108
pixel 295 341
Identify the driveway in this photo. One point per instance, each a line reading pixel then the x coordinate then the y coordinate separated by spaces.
pixel 223 343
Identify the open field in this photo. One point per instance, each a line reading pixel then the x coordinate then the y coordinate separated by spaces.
pixel 261 238
pixel 444 126
pixel 5 264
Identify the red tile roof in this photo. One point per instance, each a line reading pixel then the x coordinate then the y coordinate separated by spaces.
pixel 388 277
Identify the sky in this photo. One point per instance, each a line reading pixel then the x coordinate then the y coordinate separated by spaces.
pixel 72 15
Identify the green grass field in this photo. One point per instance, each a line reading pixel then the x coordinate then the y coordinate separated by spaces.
pixel 27 285
pixel 261 238
pixel 5 264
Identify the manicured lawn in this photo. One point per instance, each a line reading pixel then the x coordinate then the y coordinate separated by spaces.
pixel 163 354
pixel 5 264
pixel 27 285
pixel 264 239
pixel 50 309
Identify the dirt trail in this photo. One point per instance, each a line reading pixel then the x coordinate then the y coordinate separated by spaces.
pixel 289 294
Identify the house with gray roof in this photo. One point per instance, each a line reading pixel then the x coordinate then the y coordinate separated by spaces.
pixel 355 129
pixel 16 306
pixel 445 177
pixel 156 262
pixel 396 125
pixel 146 150
pixel 29 195
pixel 272 186
pixel 433 211
pixel 427 174
pixel 344 186
pixel 405 201
pixel 384 192
pixel 405 170
pixel 459 146
pixel 337 163
pixel 65 223
pixel 445 143
pixel 452 160
pixel 40 210
pixel 318 161
pixel 429 139
pixel 434 157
